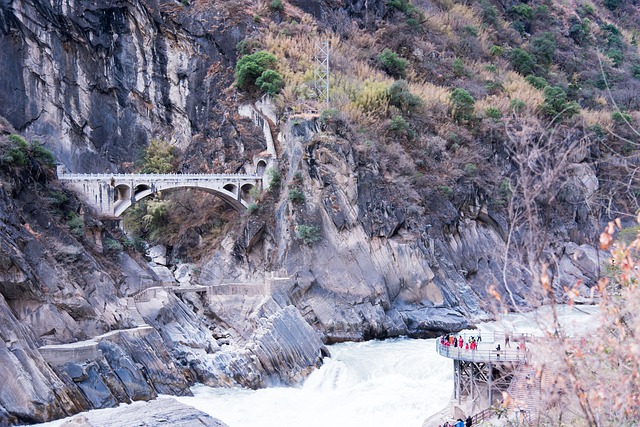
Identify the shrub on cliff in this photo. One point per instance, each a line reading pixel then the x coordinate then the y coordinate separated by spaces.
pixel 462 104
pixel 256 70
pixel 159 157
pixel 308 233
pixel 392 63
pixel 18 152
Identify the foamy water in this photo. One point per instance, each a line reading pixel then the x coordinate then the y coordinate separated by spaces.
pixel 377 383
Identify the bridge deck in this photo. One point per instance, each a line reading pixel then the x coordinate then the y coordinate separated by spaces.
pixel 154 176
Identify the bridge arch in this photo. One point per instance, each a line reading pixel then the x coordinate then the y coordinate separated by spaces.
pixel 226 195
pixel 112 194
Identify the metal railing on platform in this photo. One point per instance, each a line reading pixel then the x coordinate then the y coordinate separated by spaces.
pixel 509 354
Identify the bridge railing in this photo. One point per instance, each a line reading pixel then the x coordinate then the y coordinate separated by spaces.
pixel 155 176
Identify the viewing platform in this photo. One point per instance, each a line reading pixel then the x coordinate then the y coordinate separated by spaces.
pixel 516 351
pixel 481 375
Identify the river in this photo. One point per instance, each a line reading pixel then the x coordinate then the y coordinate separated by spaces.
pixel 377 383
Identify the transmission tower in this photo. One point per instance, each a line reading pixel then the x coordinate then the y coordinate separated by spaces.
pixel 321 73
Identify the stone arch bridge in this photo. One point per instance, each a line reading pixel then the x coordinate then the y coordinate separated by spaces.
pixel 111 194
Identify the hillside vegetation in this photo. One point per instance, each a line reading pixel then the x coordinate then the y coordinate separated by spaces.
pixel 430 88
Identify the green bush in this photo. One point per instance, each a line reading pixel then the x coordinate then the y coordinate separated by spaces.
pixel 401 97
pixel 17 154
pixel 620 117
pixel 493 87
pixel 522 62
pixel 555 103
pixel 616 56
pixel 253 208
pixel 270 82
pixel 470 169
pixel 493 113
pixel 537 82
pixel 398 123
pixel 112 246
pixel 328 114
pixel 543 48
pixel 505 188
pixel 469 30
pixel 58 199
pixel 522 12
pixel 445 190
pixel 275 179
pixel 462 104
pixel 392 63
pixel 276 5
pixel 579 31
pixel 612 4
pixel 489 13
pixel 517 105
pixel 308 233
pixel 458 68
pixel 252 67
pixel 43 155
pixel 76 224
pixel 635 70
pixel 296 195
pixel 159 157
pixel 135 243
pixel 495 50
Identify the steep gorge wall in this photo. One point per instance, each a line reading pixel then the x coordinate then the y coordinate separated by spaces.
pixel 96 80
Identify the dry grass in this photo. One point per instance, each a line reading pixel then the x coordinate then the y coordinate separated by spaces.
pixel 516 87
pixel 596 117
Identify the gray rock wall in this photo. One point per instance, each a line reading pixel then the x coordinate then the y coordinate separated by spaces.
pixel 96 80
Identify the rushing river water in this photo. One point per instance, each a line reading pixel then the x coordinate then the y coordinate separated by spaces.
pixel 377 383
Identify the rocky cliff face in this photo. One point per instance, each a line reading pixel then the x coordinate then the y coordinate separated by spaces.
pixel 95 81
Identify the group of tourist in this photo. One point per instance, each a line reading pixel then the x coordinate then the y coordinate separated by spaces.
pixel 451 340
pixel 458 423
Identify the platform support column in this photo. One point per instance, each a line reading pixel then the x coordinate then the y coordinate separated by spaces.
pixel 490 375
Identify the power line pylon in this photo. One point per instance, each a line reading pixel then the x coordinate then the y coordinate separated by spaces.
pixel 321 72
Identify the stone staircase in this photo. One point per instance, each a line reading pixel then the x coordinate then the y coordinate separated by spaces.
pixel 135 314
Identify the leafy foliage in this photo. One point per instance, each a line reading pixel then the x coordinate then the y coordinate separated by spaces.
pixel 402 98
pixel 112 246
pixel 270 82
pixel 76 224
pixel 522 61
pixel 256 70
pixel 555 103
pixel 275 179
pixel 537 82
pixel 19 151
pixel 277 5
pixel 307 233
pixel 393 63
pixel 462 104
pixel 159 157
pixel 543 47
pixel 296 195
pixel 149 219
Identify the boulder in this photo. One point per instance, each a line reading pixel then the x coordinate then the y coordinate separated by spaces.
pixel 164 411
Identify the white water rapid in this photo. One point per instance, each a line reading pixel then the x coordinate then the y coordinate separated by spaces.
pixel 376 383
